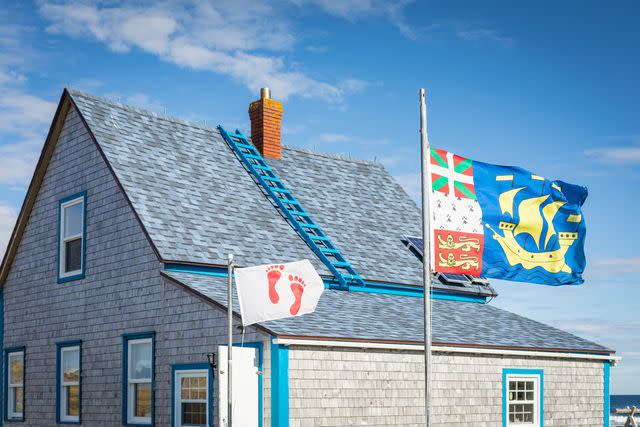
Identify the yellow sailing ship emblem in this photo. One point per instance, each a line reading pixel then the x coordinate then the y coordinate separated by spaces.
pixel 531 221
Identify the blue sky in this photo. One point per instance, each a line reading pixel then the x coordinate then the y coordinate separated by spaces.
pixel 548 86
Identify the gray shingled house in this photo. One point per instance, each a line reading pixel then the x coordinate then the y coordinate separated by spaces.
pixel 114 287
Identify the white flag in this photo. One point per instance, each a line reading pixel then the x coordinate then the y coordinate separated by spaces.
pixel 269 292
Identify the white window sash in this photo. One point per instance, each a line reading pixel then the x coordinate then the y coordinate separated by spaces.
pixel 62 253
pixel 131 382
pixel 63 384
pixel 14 386
pixel 192 373
pixel 536 398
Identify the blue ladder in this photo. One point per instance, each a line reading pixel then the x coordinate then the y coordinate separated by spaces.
pixel 299 219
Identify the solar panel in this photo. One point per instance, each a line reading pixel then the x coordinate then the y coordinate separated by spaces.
pixel 456 279
pixel 416 243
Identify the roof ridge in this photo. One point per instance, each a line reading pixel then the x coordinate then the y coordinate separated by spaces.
pixel 169 118
pixel 331 155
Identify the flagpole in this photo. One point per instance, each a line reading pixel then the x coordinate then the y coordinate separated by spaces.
pixel 426 257
pixel 230 344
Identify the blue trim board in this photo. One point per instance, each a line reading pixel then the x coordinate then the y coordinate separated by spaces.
pixel 80 275
pixel 125 374
pixel 607 393
pixel 513 371
pixel 279 385
pixel 59 347
pixel 6 382
pixel 331 283
pixel 187 367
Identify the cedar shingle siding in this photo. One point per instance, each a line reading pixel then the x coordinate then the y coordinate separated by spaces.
pixel 122 292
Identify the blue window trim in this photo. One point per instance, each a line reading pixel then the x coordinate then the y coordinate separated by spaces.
pixel 259 346
pixel 505 373
pixel 59 347
pixel 279 385
pixel 607 393
pixel 6 383
pixel 125 374
pixel 80 275
pixel 187 367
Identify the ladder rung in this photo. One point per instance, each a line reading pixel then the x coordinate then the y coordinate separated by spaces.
pixel 247 146
pixel 341 264
pixel 289 202
pixel 321 238
pixel 299 213
pixel 253 156
pixel 264 168
pixel 279 189
pixel 313 226
pixel 351 276
pixel 330 251
pixel 271 178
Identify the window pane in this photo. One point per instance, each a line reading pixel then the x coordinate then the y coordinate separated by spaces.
pixel 142 400
pixel 17 400
pixel 194 414
pixel 73 255
pixel 17 365
pixel 71 365
pixel 73 400
pixel 140 361
pixel 73 220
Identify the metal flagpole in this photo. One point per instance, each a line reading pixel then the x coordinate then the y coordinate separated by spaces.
pixel 230 344
pixel 426 258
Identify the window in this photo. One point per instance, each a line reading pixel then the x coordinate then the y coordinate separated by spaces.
pixel 523 398
pixel 68 382
pixel 138 377
pixel 14 375
pixel 191 395
pixel 72 238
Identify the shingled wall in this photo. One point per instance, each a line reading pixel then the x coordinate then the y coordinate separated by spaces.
pixel 341 387
pixel 122 292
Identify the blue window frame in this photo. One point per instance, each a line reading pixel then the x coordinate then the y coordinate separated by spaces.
pixel 138 373
pixel 14 387
pixel 68 382
pixel 192 395
pixel 72 230
pixel 523 397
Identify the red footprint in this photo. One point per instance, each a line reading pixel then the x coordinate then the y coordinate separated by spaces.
pixel 297 287
pixel 273 275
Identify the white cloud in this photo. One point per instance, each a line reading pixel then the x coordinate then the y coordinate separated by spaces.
pixel 355 9
pixel 485 34
pixel 221 37
pixel 624 265
pixel 7 222
pixel 622 154
pixel 20 112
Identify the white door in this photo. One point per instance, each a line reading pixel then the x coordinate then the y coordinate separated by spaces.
pixel 245 386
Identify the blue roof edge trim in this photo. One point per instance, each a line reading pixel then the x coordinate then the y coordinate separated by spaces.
pixel 331 283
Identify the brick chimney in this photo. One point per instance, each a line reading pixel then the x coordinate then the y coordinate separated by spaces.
pixel 266 117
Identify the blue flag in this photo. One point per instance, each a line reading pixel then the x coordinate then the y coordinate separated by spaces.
pixel 504 222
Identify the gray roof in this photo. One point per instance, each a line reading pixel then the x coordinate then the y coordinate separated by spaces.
pixel 192 195
pixel 368 316
pixel 360 207
pixel 198 203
